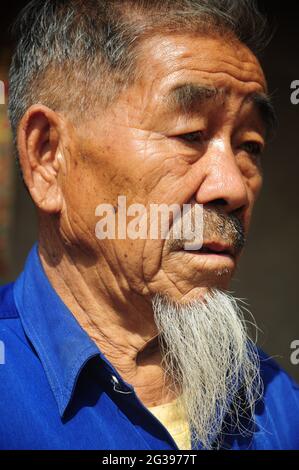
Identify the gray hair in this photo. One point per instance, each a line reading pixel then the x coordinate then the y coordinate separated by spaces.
pixel 70 51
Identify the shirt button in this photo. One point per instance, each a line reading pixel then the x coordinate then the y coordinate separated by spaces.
pixel 115 380
pixel 117 386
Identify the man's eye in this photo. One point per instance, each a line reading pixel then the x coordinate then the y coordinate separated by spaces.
pixel 191 137
pixel 254 148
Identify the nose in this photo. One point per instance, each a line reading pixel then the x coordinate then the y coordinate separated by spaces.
pixel 223 184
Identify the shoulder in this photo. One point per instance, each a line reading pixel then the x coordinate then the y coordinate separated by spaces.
pixel 12 335
pixel 7 304
pixel 9 317
pixel 275 378
pixel 275 425
pixel 277 413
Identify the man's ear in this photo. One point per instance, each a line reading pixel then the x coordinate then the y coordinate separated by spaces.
pixel 39 143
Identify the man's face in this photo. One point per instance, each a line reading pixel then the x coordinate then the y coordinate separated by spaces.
pixel 188 130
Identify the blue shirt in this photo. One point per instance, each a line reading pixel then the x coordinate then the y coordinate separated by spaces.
pixel 58 391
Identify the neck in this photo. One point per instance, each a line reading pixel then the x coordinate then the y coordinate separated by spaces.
pixel 118 320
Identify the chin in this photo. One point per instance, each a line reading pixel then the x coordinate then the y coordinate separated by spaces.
pixel 217 278
pixel 198 292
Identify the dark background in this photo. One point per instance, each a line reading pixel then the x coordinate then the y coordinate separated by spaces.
pixel 268 275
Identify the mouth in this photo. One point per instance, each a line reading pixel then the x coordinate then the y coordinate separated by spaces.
pixel 214 249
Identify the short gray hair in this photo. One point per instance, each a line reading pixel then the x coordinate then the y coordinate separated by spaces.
pixel 70 51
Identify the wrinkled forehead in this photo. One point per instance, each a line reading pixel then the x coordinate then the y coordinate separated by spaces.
pixel 221 62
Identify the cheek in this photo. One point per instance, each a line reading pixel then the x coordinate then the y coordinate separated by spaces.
pixel 254 184
pixel 251 170
pixel 253 178
pixel 254 187
pixel 81 187
pixel 82 194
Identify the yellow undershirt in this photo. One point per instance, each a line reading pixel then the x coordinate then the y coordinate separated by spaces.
pixel 173 418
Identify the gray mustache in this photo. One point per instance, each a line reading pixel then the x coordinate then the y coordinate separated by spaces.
pixel 226 228
pixel 218 227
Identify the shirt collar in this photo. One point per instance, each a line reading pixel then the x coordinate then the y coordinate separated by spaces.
pixel 63 347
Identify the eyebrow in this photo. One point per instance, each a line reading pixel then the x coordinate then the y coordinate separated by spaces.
pixel 265 107
pixel 188 97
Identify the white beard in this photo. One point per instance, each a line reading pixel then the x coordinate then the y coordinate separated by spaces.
pixel 208 356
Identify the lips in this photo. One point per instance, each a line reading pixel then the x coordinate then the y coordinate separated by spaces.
pixel 216 248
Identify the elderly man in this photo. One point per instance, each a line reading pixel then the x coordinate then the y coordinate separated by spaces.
pixel 114 340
